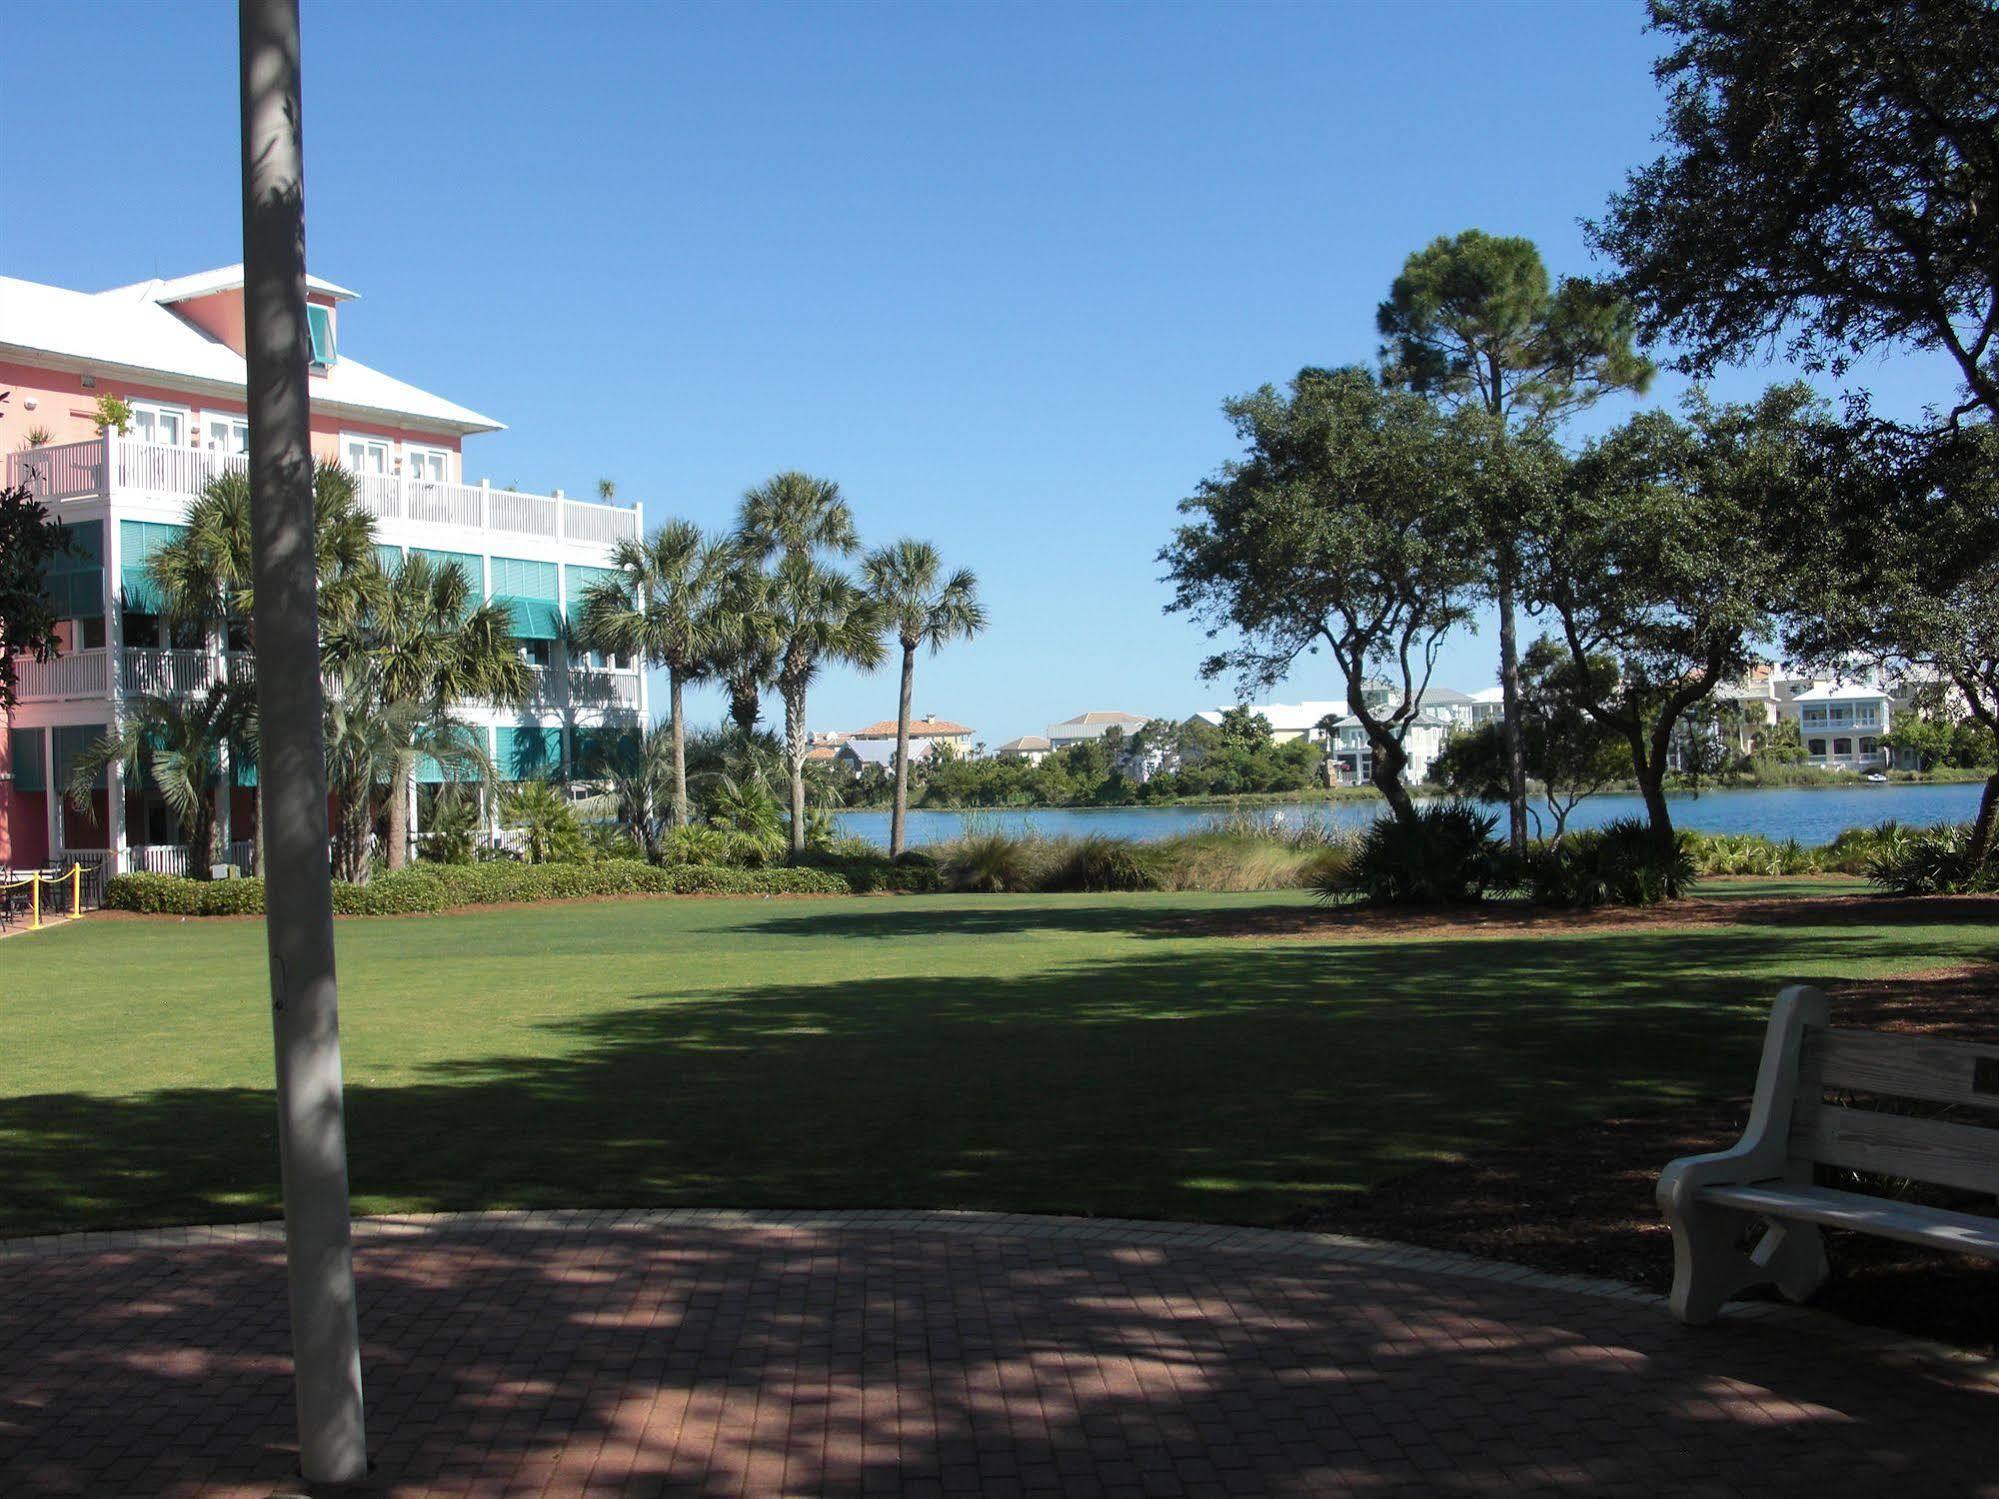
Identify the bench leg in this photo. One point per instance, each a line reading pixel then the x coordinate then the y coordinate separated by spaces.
pixel 1793 1256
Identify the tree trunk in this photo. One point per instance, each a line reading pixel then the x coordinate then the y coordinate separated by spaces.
pixel 1509 694
pixel 794 759
pixel 399 818
pixel 1389 762
pixel 1981 826
pixel 1649 770
pixel 678 728
pixel 900 813
pixel 744 704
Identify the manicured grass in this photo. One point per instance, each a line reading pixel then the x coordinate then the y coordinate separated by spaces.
pixel 1090 1054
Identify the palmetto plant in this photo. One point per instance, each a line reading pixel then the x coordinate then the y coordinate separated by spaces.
pixel 372 742
pixel 658 609
pixel 204 574
pixel 919 606
pixel 177 744
pixel 422 638
pixel 641 788
pixel 743 642
pixel 823 616
pixel 544 823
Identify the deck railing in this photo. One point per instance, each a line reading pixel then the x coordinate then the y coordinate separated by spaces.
pixel 79 674
pixel 79 470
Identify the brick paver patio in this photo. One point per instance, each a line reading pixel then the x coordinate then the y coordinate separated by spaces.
pixel 929 1354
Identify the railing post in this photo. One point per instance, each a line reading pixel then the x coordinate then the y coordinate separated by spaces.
pixel 561 515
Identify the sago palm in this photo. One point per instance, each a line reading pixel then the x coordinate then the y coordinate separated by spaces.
pixel 919 606
pixel 657 608
pixel 422 638
pixel 823 617
pixel 176 743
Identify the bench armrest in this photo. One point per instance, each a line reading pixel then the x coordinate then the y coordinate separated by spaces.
pixel 1764 1151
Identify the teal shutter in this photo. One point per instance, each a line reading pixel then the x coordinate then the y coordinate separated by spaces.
pixel 389 559
pixel 578 581
pixel 430 773
pixel 606 751
pixel 528 590
pixel 24 754
pixel 469 563
pixel 70 743
pixel 528 753
pixel 75 583
pixel 321 321
pixel 137 541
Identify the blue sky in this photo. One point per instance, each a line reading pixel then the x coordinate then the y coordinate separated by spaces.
pixel 992 268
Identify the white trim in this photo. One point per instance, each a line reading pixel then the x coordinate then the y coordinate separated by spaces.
pixel 412 449
pixel 156 409
pixel 386 444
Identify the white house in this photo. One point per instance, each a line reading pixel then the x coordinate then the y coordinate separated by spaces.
pixel 929 729
pixel 1289 721
pixel 1487 705
pixel 1423 740
pixel 1032 748
pixel 1089 726
pixel 1842 724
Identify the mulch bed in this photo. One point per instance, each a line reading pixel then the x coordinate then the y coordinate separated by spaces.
pixel 1579 1201
pixel 1514 918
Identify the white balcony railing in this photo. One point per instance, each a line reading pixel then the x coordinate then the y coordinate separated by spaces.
pixel 99 466
pixel 79 674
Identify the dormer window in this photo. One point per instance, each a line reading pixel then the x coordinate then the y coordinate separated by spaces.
pixel 321 319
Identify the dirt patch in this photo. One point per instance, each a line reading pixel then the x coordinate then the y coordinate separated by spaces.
pixel 1510 918
pixel 1579 1201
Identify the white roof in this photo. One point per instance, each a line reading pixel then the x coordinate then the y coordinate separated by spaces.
pixel 132 329
pixel 1287 718
pixel 1494 694
pixel 1025 742
pixel 224 278
pixel 1824 692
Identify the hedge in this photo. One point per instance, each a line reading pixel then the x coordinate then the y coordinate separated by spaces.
pixel 441 887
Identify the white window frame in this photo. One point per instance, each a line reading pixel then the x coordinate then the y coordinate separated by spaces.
pixel 413 450
pixel 235 419
pixel 155 410
pixel 386 444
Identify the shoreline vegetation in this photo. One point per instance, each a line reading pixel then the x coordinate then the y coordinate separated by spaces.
pixel 1808 779
pixel 1234 853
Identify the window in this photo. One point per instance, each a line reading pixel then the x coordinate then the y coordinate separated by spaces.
pixel 321 320
pixel 226 434
pixel 162 424
pixel 1817 747
pixel 1869 746
pixel 430 465
pixel 365 455
pixel 1842 746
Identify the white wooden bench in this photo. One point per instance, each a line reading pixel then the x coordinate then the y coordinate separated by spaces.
pixel 1715 1202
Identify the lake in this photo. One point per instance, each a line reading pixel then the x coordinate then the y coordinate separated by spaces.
pixel 1808 814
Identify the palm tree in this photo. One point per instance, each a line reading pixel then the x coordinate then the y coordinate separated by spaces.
pixel 822 616
pixel 640 784
pixel 204 573
pixel 918 610
pixel 545 823
pixel 657 609
pixel 177 743
pixel 798 516
pixel 421 637
pixel 743 640
pixel 372 741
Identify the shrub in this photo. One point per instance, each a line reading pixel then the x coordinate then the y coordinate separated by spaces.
pixel 1446 856
pixel 867 870
pixel 693 845
pixel 1748 853
pixel 1614 865
pixel 439 888
pixel 1100 863
pixel 1932 861
pixel 991 864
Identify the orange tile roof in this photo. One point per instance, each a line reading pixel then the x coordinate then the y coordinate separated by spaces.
pixel 919 728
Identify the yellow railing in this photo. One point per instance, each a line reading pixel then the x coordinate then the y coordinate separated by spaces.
pixel 33 884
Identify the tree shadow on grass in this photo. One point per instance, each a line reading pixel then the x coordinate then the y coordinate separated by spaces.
pixel 1221 1083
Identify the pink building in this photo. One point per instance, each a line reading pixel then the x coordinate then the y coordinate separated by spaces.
pixel 173 352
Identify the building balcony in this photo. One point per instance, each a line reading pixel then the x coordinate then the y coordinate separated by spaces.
pixel 87 675
pixel 112 467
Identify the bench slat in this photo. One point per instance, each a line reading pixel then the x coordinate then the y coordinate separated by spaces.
pixel 1923 1067
pixel 1937 1228
pixel 1926 1150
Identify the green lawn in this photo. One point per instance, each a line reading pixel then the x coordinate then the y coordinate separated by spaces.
pixel 1072 1054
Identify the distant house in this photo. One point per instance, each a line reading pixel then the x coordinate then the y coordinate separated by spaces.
pixel 929 729
pixel 1352 754
pixel 859 754
pixel 1289 721
pixel 1032 748
pixel 1842 724
pixel 1459 707
pixel 1488 705
pixel 1085 727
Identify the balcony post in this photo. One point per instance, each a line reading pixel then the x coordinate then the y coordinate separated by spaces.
pixel 485 504
pixel 561 516
pixel 51 792
pixel 114 816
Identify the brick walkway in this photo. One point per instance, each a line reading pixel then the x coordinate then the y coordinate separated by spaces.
pixel 704 1353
